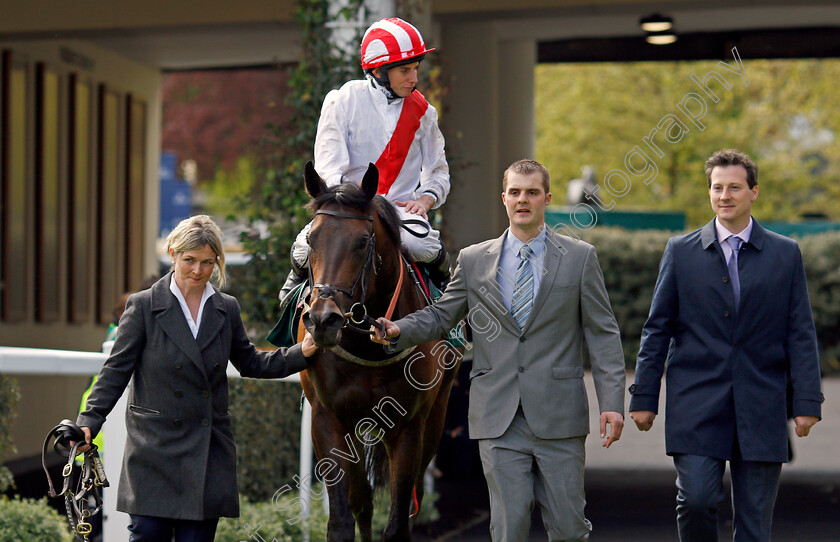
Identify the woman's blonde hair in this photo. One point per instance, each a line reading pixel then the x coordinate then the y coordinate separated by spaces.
pixel 194 233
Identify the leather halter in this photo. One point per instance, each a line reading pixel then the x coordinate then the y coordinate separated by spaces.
pixel 90 478
pixel 357 316
pixel 327 291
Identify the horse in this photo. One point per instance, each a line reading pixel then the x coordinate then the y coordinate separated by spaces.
pixel 362 394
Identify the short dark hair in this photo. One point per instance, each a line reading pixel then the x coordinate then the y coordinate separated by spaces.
pixel 527 167
pixel 732 157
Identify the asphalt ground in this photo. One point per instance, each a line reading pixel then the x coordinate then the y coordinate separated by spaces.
pixel 631 494
pixel 638 506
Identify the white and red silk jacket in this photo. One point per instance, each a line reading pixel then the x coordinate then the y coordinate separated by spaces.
pixel 356 125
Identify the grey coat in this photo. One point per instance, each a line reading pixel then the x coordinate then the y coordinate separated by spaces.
pixel 540 366
pixel 180 459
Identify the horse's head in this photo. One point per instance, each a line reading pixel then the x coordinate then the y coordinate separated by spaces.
pixel 343 257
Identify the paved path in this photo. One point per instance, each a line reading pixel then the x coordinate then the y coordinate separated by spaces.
pixel 630 489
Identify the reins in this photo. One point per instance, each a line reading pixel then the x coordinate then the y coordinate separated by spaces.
pixel 90 477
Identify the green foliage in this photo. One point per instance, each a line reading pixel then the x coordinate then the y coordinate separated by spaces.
pixel 27 520
pixel 273 520
pixel 821 254
pixel 785 119
pixel 276 211
pixel 9 397
pixel 279 519
pixel 266 427
pixel 630 262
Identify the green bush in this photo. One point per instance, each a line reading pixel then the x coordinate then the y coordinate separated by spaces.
pixel 630 261
pixel 821 254
pixel 269 521
pixel 266 428
pixel 9 396
pixel 265 519
pixel 27 520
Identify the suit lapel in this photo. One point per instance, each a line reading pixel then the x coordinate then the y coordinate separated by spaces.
pixel 212 320
pixel 171 320
pixel 551 263
pixel 489 277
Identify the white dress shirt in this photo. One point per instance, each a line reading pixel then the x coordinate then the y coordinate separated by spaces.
pixel 205 295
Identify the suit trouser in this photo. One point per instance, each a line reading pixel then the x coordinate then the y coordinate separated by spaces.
pixel 700 491
pixel 521 468
pixel 155 529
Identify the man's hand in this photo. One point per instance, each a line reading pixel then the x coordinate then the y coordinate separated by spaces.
pixel 643 419
pixel 420 206
pixel 616 423
pixel 308 345
pixel 804 425
pixel 391 331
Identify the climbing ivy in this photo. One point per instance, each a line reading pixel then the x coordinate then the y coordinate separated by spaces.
pixel 275 211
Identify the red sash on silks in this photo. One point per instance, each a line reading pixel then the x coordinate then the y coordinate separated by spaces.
pixel 391 161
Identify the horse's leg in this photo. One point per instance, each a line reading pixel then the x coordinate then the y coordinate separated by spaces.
pixel 327 434
pixel 360 497
pixel 404 451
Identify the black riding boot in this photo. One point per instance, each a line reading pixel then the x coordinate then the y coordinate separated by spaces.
pixel 296 277
pixel 439 269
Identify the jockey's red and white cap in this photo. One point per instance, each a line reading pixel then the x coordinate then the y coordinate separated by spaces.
pixel 391 40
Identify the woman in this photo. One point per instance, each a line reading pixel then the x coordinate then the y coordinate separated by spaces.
pixel 173 343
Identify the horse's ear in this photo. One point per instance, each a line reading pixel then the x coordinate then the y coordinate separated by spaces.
pixel 314 185
pixel 370 182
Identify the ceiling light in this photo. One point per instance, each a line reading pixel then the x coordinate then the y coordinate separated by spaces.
pixel 661 38
pixel 656 23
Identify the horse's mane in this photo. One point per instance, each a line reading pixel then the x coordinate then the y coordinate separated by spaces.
pixel 350 195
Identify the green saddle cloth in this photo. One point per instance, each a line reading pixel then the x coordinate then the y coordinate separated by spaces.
pixel 284 333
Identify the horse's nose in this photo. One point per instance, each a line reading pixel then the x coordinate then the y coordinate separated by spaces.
pixel 324 322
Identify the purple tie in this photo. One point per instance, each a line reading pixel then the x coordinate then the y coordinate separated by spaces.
pixel 735 244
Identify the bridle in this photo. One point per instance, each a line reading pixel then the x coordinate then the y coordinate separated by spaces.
pixel 91 477
pixel 358 315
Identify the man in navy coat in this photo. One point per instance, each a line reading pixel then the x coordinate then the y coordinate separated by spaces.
pixel 731 315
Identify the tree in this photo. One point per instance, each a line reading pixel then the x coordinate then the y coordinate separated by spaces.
pixel 786 119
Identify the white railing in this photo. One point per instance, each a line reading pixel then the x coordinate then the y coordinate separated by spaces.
pixel 41 361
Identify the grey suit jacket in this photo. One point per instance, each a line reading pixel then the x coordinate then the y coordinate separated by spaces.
pixel 540 366
pixel 180 459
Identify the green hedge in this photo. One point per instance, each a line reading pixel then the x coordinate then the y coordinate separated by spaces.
pixel 266 428
pixel 9 397
pixel 27 520
pixel 279 520
pixel 630 261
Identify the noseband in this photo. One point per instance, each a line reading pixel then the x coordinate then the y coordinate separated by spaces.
pixel 358 312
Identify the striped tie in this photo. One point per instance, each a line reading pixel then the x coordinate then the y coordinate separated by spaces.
pixel 735 245
pixel 523 289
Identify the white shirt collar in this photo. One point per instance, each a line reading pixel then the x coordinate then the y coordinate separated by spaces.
pixel 205 295
pixel 723 234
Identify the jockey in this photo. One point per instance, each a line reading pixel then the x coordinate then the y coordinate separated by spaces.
pixel 383 119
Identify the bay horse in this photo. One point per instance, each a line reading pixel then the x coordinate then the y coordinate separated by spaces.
pixel 362 395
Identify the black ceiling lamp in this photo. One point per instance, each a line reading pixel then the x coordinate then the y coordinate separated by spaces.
pixel 659 29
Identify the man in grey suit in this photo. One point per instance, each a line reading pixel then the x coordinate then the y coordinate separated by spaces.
pixel 535 301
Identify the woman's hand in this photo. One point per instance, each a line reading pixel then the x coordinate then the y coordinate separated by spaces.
pixel 308 345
